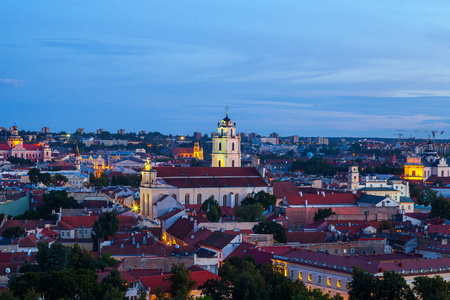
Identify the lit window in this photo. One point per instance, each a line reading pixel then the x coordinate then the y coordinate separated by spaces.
pixel 328 280
pixel 309 277
pixel 292 273
pixel 300 275
pixel 338 283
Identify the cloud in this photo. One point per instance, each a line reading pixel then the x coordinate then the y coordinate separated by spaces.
pixel 11 82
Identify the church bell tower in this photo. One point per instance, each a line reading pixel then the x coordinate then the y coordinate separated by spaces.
pixel 226 150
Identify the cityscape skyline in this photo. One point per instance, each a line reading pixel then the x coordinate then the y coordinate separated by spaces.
pixel 289 69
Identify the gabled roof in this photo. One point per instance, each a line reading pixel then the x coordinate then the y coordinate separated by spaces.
pixel 218 240
pixel 372 199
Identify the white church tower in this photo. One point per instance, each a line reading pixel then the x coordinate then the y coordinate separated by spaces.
pixel 226 151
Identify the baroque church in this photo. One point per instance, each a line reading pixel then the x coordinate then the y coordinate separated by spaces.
pixel 14 147
pixel 427 165
pixel 226 180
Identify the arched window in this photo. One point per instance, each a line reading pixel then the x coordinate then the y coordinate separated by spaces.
pixel 221 131
pixel 224 200
pixel 220 163
pixel 232 146
pixel 199 199
pixel 186 199
pixel 220 146
pixel 232 163
pixel 413 173
pixel 442 174
pixel 236 200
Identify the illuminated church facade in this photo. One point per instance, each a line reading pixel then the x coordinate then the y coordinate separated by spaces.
pixel 426 165
pixel 14 147
pixel 226 181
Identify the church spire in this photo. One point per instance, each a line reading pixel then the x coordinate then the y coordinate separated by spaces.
pixel 77 152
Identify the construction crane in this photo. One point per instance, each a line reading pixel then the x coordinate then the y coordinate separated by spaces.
pixel 433 133
pixel 399 136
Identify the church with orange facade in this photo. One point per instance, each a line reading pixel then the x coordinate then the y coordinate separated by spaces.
pixel 14 147
pixel 189 152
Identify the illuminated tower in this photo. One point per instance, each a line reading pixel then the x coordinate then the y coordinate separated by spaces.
pixel 353 178
pixel 77 159
pixel 14 139
pixel 148 180
pixel 226 150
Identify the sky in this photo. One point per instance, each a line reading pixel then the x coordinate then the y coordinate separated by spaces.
pixel 310 68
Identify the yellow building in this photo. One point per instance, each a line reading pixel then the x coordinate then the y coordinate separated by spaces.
pixel 413 168
pixel 382 191
pixel 189 152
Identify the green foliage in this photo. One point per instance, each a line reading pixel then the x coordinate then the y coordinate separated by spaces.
pixel 314 166
pixel 416 192
pixel 440 207
pixel 14 231
pixel 105 261
pixel 217 289
pixel 212 208
pixel 57 178
pixel 126 180
pixel 20 161
pixel 160 294
pixel 102 181
pixel 142 295
pixel 53 258
pixel 432 288
pixel 391 287
pixel 33 175
pixel 113 294
pixel 114 280
pixel 250 213
pixel 386 225
pixel 262 197
pixel 274 228
pixel 106 225
pixel 53 201
pixel 181 282
pixel 321 214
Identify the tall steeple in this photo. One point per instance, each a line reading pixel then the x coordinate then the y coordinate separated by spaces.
pixel 77 159
pixel 226 144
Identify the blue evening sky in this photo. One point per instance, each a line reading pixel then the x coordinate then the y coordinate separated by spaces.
pixel 328 68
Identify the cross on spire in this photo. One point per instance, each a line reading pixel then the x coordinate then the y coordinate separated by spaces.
pixel 226 109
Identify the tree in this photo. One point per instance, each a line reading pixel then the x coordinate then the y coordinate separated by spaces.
pixel 142 295
pixel 262 197
pixel 14 231
pixel 58 178
pixel 362 286
pixel 80 258
pixel 250 213
pixel 321 214
pixel 217 289
pixel 432 288
pixel 181 282
pixel 106 225
pixel 53 258
pixel 212 208
pixel 114 280
pixel 386 225
pixel 440 207
pixel 45 178
pixel 274 228
pixel 394 287
pixel 416 192
pixel 33 175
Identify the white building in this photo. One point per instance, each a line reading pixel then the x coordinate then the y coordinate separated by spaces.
pixel 226 150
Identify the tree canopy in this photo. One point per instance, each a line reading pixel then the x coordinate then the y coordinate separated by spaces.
pixel 262 197
pixel 212 208
pixel 106 225
pixel 266 227
pixel 321 214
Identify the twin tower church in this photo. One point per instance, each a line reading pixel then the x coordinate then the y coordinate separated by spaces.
pixel 165 188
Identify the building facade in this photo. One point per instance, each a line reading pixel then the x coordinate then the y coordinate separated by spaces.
pixel 14 147
pixel 226 145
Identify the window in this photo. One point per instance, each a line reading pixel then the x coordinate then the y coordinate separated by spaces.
pixel 300 275
pixel 345 251
pixel 328 280
pixel 85 231
pixel 220 163
pixel 62 233
pixel 292 273
pixel 309 277
pixel 231 133
pixel 220 146
pixel 236 200
pixel 232 149
pixel 199 199
pixel 319 279
pixel 338 283
pixel 80 231
pixel 232 163
pixel 352 250
pixel 186 199
pixel 224 200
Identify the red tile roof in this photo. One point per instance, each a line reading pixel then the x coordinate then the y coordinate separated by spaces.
pixel 80 221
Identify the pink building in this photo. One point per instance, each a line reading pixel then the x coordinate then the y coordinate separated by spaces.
pixel 14 146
